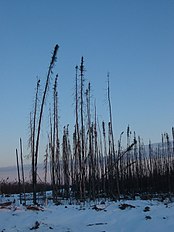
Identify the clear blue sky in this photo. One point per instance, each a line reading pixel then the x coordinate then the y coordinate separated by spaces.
pixel 132 39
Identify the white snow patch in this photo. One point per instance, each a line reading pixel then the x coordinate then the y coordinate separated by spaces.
pixel 74 218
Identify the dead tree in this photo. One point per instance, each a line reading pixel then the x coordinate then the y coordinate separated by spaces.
pixel 53 141
pixel 46 165
pixel 91 150
pixel 66 160
pixel 77 143
pixel 82 171
pixel 111 134
pixel 55 147
pixel 45 169
pixel 22 170
pixel 33 125
pixel 50 70
pixel 101 162
pixel 19 179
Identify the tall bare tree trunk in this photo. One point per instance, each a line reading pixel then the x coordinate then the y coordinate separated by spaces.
pixel 57 142
pixel 82 171
pixel 55 149
pixel 112 138
pixel 19 179
pixel 33 132
pixel 53 60
pixel 77 145
pixel 22 169
pixel 90 148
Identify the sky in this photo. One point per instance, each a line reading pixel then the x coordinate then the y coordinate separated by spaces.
pixel 130 39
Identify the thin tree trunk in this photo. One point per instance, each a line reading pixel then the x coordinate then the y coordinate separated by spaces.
pixel 82 130
pixel 19 179
pixel 33 132
pixel 112 138
pixel 41 114
pixel 22 169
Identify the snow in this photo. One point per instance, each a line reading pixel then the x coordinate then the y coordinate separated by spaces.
pixel 106 217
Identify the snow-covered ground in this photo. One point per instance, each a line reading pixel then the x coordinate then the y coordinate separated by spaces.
pixel 140 216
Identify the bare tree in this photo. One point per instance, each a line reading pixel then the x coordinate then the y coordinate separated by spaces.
pixel 22 170
pixel 82 171
pixel 32 138
pixel 50 70
pixel 112 137
pixel 19 178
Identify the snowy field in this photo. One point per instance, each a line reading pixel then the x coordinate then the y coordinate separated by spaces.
pixel 137 215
